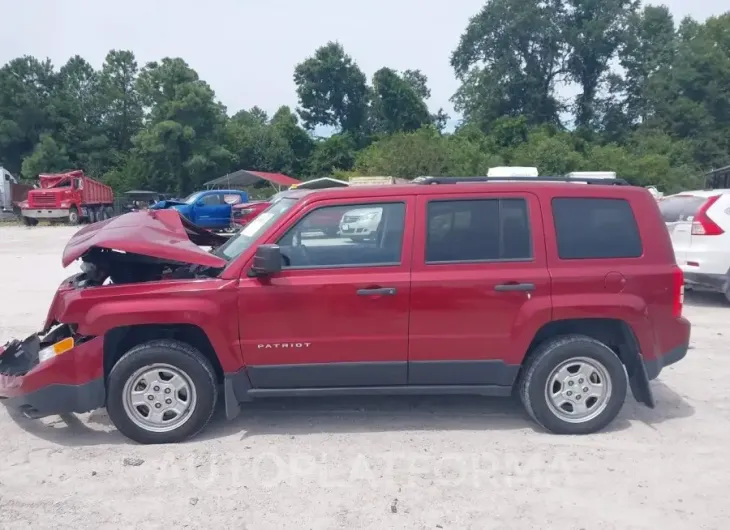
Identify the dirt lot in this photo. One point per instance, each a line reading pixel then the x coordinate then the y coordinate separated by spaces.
pixel 370 463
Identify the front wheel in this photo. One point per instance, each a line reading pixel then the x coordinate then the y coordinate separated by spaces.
pixel 573 385
pixel 73 216
pixel 162 391
pixel 30 221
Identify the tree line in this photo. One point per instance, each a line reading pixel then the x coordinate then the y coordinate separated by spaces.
pixel 652 104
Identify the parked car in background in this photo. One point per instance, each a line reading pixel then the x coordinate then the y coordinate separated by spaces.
pixel 12 193
pixel 211 209
pixel 70 197
pixel 699 226
pixel 246 212
pixel 361 223
pixel 564 295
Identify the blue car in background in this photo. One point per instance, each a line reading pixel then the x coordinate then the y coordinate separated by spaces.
pixel 208 209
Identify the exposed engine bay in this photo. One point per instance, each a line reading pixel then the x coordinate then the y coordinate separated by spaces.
pixel 100 266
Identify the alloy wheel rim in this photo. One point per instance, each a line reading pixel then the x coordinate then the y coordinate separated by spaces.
pixel 578 390
pixel 159 398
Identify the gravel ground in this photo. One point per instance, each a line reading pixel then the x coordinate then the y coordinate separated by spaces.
pixel 368 463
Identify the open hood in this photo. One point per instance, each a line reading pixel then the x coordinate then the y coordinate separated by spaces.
pixel 161 234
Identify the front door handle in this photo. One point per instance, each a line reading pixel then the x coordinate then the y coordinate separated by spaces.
pixel 377 291
pixel 515 287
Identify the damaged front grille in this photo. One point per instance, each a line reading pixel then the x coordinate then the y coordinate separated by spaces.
pixel 18 357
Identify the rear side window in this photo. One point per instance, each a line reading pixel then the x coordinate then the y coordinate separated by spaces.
pixel 595 228
pixel 478 230
pixel 678 208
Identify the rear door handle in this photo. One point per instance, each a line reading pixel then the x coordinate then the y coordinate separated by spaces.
pixel 377 291
pixel 515 287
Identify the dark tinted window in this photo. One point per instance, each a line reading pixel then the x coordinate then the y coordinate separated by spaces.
pixel 680 207
pixel 596 228
pixel 478 230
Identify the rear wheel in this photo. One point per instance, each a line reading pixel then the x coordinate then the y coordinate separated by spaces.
pixel 73 216
pixel 162 391
pixel 573 385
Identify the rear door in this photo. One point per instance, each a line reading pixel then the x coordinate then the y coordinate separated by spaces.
pixel 480 287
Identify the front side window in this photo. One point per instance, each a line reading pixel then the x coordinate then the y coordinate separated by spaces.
pixel 588 228
pixel 212 199
pixel 346 236
pixel 478 230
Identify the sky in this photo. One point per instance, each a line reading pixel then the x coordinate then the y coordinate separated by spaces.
pixel 247 49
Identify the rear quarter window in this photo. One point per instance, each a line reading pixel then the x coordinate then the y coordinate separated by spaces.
pixel 595 228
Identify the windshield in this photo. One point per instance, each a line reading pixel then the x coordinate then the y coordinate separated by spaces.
pixel 255 229
pixel 190 199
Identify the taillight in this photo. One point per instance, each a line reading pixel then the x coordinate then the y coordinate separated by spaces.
pixel 678 292
pixel 702 225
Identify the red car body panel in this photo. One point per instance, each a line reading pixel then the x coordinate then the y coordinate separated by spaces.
pixel 156 233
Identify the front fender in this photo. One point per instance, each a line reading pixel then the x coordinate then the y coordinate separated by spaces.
pixel 208 304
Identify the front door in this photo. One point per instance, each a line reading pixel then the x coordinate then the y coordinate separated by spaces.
pixel 479 288
pixel 337 314
pixel 213 212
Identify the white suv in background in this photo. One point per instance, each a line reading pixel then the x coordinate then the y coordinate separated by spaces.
pixel 361 223
pixel 699 225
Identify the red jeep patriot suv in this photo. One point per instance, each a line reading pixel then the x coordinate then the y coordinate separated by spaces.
pixel 564 294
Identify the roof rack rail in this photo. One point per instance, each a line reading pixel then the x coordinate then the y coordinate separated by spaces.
pixel 468 180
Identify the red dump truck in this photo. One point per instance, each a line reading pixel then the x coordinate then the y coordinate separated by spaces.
pixel 68 197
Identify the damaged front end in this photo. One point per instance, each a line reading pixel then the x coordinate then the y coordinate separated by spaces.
pixel 144 246
pixel 60 369
pixel 52 373
pixel 20 357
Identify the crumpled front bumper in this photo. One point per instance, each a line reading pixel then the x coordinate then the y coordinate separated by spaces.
pixel 70 382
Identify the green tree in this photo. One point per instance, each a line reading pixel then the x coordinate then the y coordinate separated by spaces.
pixel 26 88
pixel 183 144
pixel 398 105
pixel 332 90
pixel 593 31
pixel 508 61
pixel 119 102
pixel 47 157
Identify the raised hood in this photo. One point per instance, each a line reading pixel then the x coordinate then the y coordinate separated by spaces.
pixel 161 234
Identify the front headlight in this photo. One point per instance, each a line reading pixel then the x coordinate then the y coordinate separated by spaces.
pixel 58 348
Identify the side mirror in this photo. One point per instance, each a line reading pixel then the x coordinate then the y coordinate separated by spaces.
pixel 200 203
pixel 267 260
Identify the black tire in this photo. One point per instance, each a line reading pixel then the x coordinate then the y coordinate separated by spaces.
pixel 109 212
pixel 551 354
pixel 184 358
pixel 73 216
pixel 29 221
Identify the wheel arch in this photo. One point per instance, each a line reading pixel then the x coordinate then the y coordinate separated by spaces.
pixel 118 341
pixel 615 333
